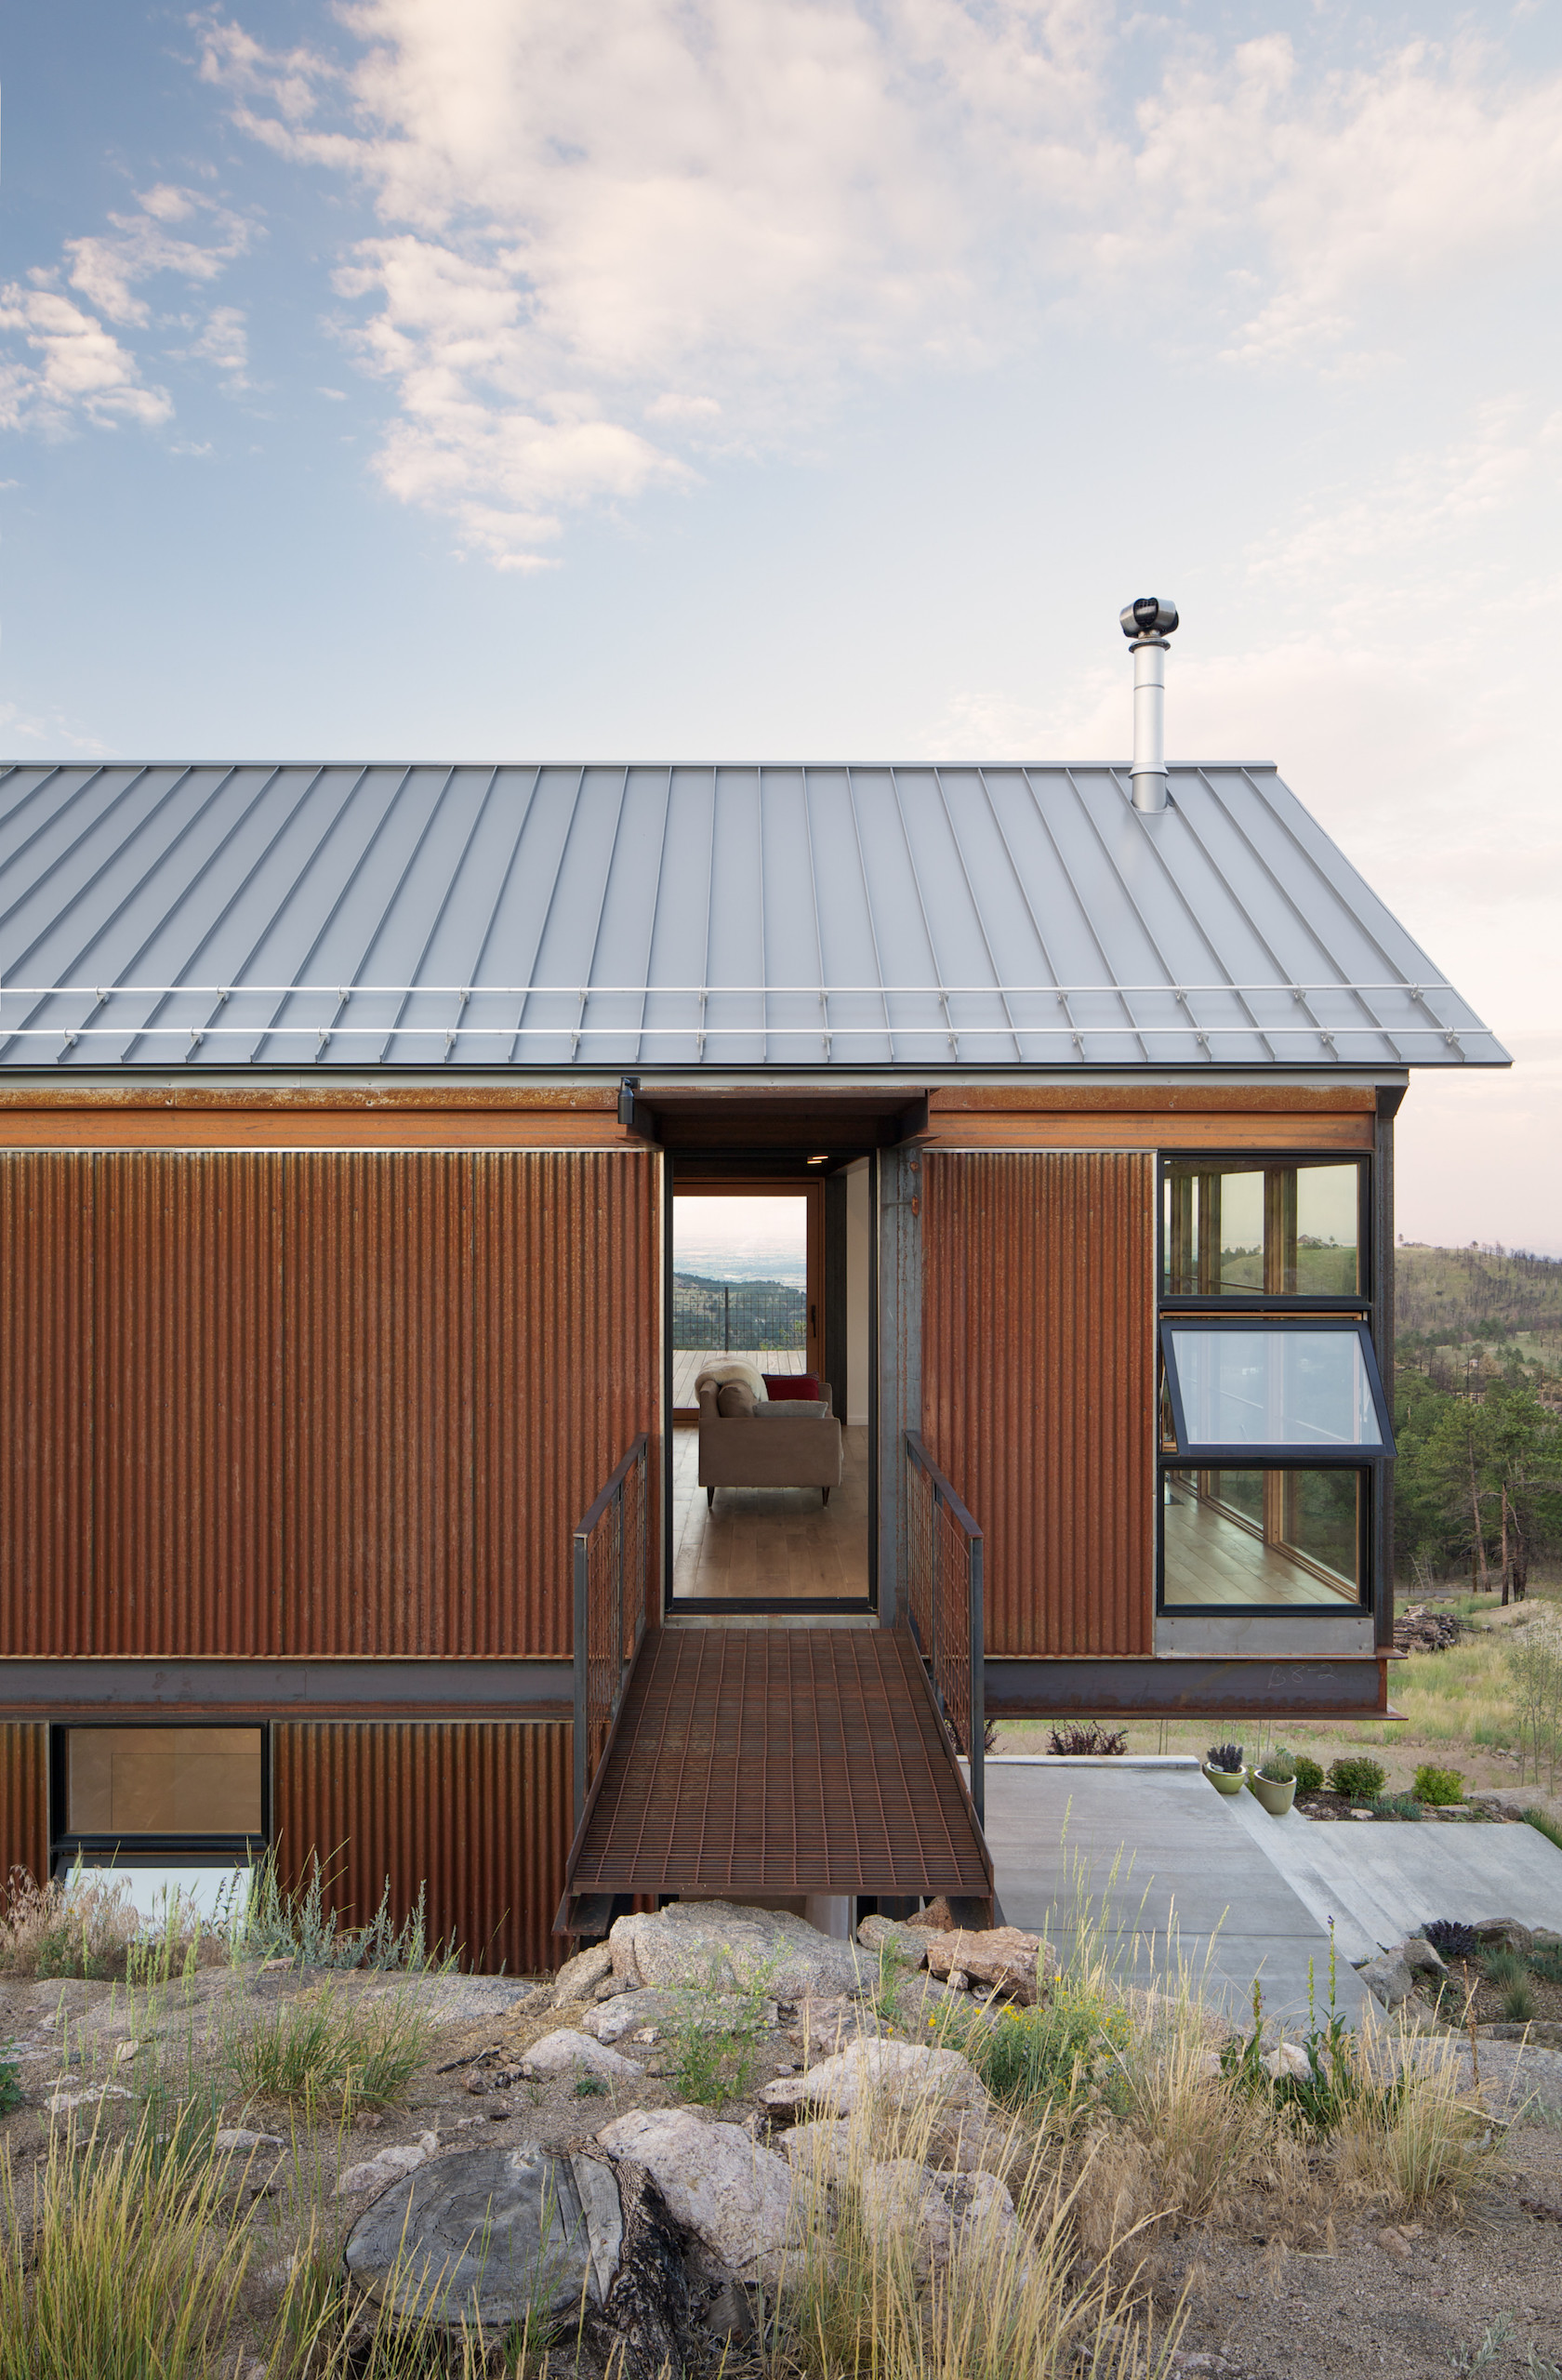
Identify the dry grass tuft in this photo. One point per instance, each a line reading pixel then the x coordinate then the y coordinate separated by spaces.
pixel 120 2261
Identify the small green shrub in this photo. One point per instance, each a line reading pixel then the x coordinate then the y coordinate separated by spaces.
pixel 589 2086
pixel 1358 1778
pixel 711 2063
pixel 282 1920
pixel 10 2084
pixel 1032 2054
pixel 1518 2002
pixel 1400 1807
pixel 1544 1824
pixel 1309 1774
pixel 1439 1788
pixel 1280 1768
pixel 324 2050
pixel 1504 1967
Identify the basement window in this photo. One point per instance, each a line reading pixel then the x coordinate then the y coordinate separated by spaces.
pixel 138 1792
pixel 1281 1386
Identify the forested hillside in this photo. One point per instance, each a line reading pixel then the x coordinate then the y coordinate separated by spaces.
pixel 1455 1296
pixel 1477 1416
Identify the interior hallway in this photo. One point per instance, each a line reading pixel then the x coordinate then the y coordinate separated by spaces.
pixel 774 1542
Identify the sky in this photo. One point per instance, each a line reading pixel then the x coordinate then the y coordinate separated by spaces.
pixel 815 379
pixel 742 1238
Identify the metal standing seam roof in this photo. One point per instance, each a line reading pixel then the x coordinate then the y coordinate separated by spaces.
pixel 676 916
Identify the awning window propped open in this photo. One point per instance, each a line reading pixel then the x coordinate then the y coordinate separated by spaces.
pixel 1277 1389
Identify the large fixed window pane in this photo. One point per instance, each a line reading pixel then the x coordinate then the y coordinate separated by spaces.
pixel 1262 1538
pixel 163 1780
pixel 1233 1230
pixel 1237 1386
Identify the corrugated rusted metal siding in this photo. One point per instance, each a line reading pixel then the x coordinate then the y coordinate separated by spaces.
pixel 1038 1386
pixel 23 1799
pixel 48 1230
pixel 480 1815
pixel 298 1403
pixel 187 1387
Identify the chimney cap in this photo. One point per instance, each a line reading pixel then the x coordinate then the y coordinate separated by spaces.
pixel 1148 615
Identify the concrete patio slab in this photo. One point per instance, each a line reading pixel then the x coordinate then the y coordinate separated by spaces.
pixel 1159 1857
pixel 1381 1883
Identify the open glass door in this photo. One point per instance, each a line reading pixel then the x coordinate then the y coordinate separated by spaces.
pixel 769 1494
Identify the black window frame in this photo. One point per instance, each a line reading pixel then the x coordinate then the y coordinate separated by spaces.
pixel 1276 1454
pixel 1357 1300
pixel 1257 1310
pixel 128 1851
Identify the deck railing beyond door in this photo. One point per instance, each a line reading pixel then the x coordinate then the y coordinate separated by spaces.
pixel 944 1603
pixel 612 1550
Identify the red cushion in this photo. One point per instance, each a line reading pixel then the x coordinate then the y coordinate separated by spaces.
pixel 781 1386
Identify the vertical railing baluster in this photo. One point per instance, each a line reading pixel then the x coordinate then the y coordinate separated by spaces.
pixel 582 1668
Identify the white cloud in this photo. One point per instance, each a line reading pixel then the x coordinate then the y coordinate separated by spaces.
pixel 78 368
pixel 224 344
pixel 105 266
pixel 716 216
pixel 65 364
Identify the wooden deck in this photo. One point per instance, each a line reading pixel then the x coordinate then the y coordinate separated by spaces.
pixel 781 1762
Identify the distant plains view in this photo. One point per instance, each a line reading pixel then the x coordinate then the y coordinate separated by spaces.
pixel 741 1239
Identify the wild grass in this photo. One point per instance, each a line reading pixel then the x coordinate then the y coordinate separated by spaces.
pixel 865 2291
pixel 119 2262
pixel 302 1923
pixel 1544 1823
pixel 80 1927
pixel 324 2052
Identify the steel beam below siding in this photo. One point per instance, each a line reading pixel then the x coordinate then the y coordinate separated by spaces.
pixel 277 1690
pixel 1185 1688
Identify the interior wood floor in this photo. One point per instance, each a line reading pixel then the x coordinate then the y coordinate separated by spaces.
pixel 770 1543
pixel 688 1364
pixel 1209 1560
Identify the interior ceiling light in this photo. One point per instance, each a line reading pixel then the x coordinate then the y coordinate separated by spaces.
pixel 820 1161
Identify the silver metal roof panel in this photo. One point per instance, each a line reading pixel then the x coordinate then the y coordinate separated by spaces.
pixel 915 917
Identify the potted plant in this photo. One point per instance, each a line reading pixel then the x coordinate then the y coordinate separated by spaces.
pixel 1273 1781
pixel 1224 1769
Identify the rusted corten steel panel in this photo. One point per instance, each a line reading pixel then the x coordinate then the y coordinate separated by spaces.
pixel 478 1815
pixel 314 1404
pixel 47 1362
pixel 1038 1386
pixel 188 1384
pixel 23 1799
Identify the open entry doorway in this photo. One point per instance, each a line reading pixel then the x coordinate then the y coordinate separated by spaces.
pixel 767 1275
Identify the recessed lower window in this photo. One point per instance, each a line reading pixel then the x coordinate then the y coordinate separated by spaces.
pixel 1263 1538
pixel 124 1782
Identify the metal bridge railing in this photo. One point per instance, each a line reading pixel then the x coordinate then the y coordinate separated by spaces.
pixel 944 1604
pixel 612 1551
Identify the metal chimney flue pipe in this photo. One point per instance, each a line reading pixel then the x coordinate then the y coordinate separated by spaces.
pixel 1147 623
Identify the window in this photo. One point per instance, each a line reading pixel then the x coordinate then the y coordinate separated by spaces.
pixel 1262 1229
pixel 1241 1387
pixel 150 1788
pixel 1272 1419
pixel 1263 1538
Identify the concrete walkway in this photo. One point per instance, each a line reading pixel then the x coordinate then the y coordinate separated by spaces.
pixel 1380 1882
pixel 1160 1859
